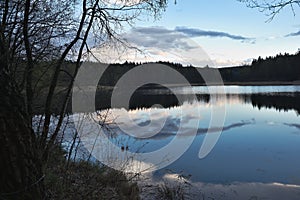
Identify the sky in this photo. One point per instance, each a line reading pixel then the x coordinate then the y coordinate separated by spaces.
pixel 213 32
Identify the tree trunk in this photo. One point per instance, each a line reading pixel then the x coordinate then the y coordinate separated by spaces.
pixel 20 164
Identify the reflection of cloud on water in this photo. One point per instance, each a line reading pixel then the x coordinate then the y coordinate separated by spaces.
pixel 225 128
pixel 232 191
pixel 171 131
pixel 251 191
pixel 297 126
pixel 148 122
pixel 292 125
pixel 271 123
pixel 187 110
pixel 164 123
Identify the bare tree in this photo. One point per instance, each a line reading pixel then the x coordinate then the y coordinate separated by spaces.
pixel 41 31
pixel 272 7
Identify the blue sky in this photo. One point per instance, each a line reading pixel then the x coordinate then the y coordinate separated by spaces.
pixel 227 31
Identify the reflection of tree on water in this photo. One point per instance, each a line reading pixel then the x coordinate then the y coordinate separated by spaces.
pixel 146 98
pixel 279 101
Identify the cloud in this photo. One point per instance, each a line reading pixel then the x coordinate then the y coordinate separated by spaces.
pixel 163 38
pixel 158 43
pixel 193 32
pixel 224 62
pixel 158 37
pixel 293 34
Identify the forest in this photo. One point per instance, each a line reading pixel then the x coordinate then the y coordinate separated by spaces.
pixel 282 68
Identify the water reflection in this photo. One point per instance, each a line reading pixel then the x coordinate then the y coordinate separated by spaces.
pixel 257 143
pixel 256 157
pixel 282 98
pixel 279 101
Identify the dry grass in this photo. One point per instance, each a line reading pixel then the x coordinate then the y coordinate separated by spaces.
pixel 83 180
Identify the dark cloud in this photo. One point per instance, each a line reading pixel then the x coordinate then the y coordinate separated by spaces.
pixel 152 30
pixel 193 32
pixel 158 37
pixel 293 34
pixel 178 38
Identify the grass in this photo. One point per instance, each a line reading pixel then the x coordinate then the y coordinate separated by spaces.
pixel 171 193
pixel 84 180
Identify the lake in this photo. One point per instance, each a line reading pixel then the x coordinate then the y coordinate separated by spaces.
pixel 256 141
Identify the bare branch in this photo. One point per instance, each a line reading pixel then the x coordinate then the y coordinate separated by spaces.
pixel 272 7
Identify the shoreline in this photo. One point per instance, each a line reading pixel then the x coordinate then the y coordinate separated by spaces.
pixel 251 83
pixel 177 186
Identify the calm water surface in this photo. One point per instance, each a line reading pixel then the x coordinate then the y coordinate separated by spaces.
pixel 260 141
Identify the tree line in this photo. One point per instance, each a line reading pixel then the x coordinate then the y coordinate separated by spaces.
pixel 282 68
